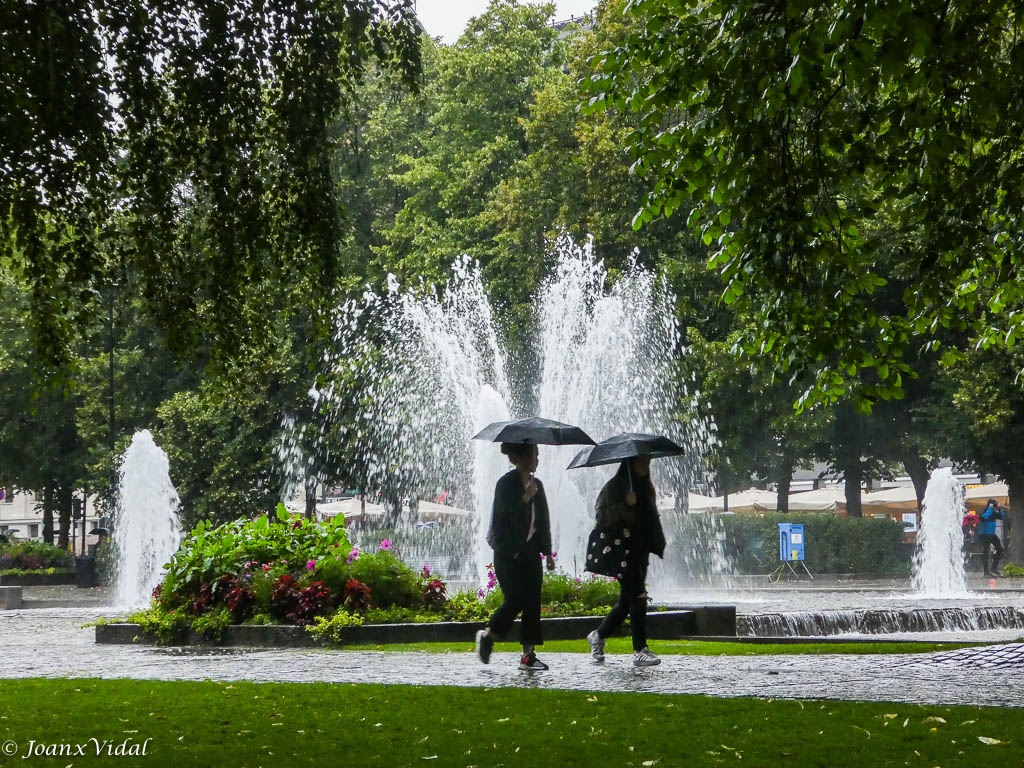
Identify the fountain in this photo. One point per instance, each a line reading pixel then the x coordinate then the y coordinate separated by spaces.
pixel 418 374
pixel 938 556
pixel 147 531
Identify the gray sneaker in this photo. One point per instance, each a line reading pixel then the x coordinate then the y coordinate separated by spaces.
pixel 596 645
pixel 644 658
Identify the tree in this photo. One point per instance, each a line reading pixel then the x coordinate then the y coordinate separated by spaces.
pixel 209 125
pixel 480 94
pixel 828 149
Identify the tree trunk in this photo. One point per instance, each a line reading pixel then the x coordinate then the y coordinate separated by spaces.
pixel 784 483
pixel 64 494
pixel 917 468
pixel 1014 534
pixel 311 500
pixel 852 480
pixel 48 515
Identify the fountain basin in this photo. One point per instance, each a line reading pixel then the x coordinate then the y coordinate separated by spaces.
pixel 37 579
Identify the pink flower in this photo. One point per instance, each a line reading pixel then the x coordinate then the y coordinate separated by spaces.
pixel 480 593
pixel 385 546
pixel 311 565
pixel 265 567
pixel 426 569
pixel 352 555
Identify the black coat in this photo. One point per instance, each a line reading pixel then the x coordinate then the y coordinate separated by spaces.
pixel 510 518
pixel 642 519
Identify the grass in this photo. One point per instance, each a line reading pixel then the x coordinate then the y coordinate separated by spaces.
pixel 275 724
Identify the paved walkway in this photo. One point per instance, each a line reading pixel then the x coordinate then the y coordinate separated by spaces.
pixel 51 642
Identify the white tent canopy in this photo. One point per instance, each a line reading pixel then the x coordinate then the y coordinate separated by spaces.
pixel 428 511
pixel 900 499
pixel 352 509
pixel 821 500
pixel 980 494
pixel 750 500
pixel 696 503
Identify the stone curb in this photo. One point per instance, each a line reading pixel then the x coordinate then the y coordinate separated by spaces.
pixel 705 621
pixel 10 598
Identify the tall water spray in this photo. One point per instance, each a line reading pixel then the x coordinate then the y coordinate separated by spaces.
pixel 938 556
pixel 147 531
pixel 418 374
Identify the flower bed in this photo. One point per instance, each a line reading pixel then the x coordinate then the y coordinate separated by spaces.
pixel 298 572
pixel 31 563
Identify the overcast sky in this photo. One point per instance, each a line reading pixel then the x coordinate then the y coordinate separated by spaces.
pixel 447 18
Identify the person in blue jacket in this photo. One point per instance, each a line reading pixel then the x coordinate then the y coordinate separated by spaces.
pixel 987 535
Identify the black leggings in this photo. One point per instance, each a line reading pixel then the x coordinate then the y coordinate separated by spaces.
pixel 632 603
pixel 520 579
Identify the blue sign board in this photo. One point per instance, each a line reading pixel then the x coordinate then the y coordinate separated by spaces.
pixel 791 542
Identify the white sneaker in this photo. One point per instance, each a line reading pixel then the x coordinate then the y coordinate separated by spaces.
pixel 644 658
pixel 596 645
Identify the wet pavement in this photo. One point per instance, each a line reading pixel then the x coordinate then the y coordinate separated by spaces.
pixel 52 642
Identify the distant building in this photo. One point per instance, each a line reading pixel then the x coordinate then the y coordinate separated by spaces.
pixel 21 516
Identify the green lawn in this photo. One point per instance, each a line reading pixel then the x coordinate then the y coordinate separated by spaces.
pixel 274 724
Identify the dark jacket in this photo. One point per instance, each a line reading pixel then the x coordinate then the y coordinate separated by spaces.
pixel 510 518
pixel 642 519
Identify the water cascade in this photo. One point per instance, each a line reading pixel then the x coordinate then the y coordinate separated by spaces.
pixel 938 569
pixel 418 374
pixel 147 531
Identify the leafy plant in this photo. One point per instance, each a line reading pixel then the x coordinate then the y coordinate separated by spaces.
pixel 357 597
pixel 34 556
pixel 392 581
pixel 212 624
pixel 166 625
pixel 329 627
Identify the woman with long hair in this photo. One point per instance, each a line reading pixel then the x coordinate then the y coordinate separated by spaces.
pixel 628 501
pixel 520 535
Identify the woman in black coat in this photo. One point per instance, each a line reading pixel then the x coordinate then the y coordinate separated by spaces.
pixel 520 535
pixel 628 499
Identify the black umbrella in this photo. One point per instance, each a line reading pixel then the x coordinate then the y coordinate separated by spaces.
pixel 625 446
pixel 534 431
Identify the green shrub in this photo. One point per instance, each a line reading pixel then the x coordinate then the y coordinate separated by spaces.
pixel 166 625
pixel 391 581
pixel 334 572
pixel 243 546
pixel 212 624
pixel 326 628
pixel 396 615
pixel 832 544
pixel 466 606
pixel 34 556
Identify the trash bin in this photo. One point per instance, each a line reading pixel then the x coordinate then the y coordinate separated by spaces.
pixel 85 572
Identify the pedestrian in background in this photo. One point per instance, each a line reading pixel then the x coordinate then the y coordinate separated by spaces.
pixel 987 536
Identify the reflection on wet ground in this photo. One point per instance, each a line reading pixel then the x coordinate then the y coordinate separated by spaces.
pixel 53 642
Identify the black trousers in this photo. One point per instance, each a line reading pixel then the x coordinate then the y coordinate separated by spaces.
pixel 632 603
pixel 986 539
pixel 520 579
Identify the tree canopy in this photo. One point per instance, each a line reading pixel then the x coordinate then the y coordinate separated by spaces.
pixel 827 151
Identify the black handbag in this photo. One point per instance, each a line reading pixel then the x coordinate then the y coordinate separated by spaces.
pixel 608 551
